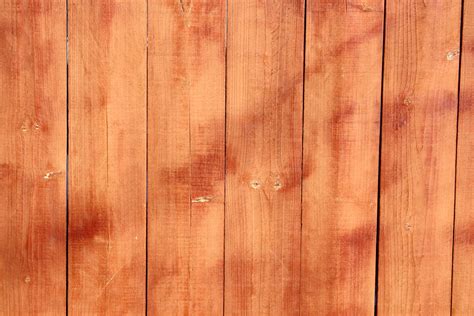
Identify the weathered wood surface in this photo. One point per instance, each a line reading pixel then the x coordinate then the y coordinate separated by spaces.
pixel 263 175
pixel 341 149
pixel 418 156
pixel 107 157
pixel 210 157
pixel 32 157
pixel 186 121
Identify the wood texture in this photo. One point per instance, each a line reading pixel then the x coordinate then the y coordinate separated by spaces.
pixel 463 265
pixel 32 157
pixel 418 156
pixel 162 163
pixel 107 174
pixel 186 105
pixel 264 150
pixel 341 149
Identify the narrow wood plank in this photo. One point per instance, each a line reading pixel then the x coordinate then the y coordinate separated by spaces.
pixel 341 148
pixel 107 179
pixel 186 121
pixel 264 151
pixel 463 273
pixel 418 156
pixel 33 157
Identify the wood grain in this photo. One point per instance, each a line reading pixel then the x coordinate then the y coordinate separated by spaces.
pixel 32 157
pixel 341 147
pixel 186 120
pixel 107 174
pixel 418 156
pixel 463 265
pixel 264 136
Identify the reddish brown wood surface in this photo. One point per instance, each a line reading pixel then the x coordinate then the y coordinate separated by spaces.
pixel 418 157
pixel 463 265
pixel 264 135
pixel 341 139
pixel 224 157
pixel 107 157
pixel 186 105
pixel 32 157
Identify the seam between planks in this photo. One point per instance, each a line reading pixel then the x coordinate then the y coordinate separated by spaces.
pixel 146 162
pixel 67 157
pixel 226 21
pixel 302 150
pixel 382 80
pixel 456 152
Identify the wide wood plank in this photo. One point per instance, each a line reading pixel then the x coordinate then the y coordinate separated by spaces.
pixel 418 156
pixel 264 150
pixel 107 174
pixel 186 121
pixel 33 157
pixel 463 273
pixel 341 149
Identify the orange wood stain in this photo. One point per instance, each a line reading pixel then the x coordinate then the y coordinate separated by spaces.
pixel 238 157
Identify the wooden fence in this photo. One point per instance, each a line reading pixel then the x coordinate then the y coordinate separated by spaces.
pixel 239 157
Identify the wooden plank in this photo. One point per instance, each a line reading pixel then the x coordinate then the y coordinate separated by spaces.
pixel 463 265
pixel 186 120
pixel 264 150
pixel 33 157
pixel 107 179
pixel 341 148
pixel 418 157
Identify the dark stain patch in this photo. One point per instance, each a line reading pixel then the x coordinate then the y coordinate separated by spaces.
pixel 6 171
pixel 208 170
pixel 106 13
pixel 356 250
pixel 466 104
pixel 344 111
pixel 446 102
pixel 308 164
pixel 87 223
pixel 358 39
pixel 199 27
pixel 465 234
pixel 176 175
pixel 360 239
pixel 341 129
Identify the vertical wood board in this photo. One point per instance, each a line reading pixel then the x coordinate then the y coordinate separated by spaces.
pixel 186 122
pixel 32 157
pixel 264 150
pixel 107 157
pixel 341 152
pixel 418 156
